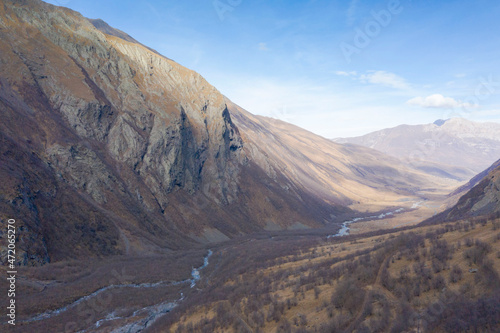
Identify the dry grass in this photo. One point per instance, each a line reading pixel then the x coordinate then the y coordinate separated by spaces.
pixel 313 299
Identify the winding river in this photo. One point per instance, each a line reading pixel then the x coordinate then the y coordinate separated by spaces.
pixel 152 312
pixel 344 230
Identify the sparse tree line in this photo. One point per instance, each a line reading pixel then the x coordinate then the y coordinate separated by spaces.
pixel 378 289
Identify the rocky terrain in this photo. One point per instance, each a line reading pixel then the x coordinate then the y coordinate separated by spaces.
pixel 111 148
pixel 145 200
pixel 483 199
pixel 455 148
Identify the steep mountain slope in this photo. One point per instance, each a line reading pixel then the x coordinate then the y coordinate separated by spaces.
pixel 482 200
pixel 475 180
pixel 454 148
pixel 109 148
pixel 360 177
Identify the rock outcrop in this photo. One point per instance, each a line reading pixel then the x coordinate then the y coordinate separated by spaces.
pixel 109 147
pixel 482 199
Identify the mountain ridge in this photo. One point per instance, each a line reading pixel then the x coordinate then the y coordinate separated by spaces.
pixel 439 148
pixel 143 148
pixel 120 150
pixel 349 173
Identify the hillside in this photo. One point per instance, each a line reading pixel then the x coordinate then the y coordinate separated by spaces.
pixel 109 148
pixel 427 278
pixel 143 200
pixel 475 180
pixel 481 200
pixel 455 148
pixel 430 279
pixel 362 178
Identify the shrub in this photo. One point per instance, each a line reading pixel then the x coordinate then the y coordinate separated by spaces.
pixel 284 326
pixel 477 254
pixel 455 274
pixel 347 295
pixel 438 282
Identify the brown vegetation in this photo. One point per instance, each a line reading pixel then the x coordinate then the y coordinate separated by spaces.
pixel 416 279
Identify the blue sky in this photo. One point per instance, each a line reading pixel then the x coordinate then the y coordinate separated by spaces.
pixel 337 68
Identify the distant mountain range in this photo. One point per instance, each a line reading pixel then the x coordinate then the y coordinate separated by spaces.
pixel 456 148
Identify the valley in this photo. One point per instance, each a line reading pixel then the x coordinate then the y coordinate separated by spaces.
pixel 416 279
pixel 145 200
pixel 406 278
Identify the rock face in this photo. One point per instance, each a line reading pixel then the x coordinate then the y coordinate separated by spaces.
pixel 475 180
pixel 109 147
pixel 455 148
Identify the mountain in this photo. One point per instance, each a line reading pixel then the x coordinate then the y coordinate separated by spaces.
pixel 475 180
pixel 109 148
pixel 362 178
pixel 455 148
pixel 483 199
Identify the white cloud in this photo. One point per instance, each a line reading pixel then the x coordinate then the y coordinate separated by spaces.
pixel 385 78
pixel 342 73
pixel 438 101
pixel 331 110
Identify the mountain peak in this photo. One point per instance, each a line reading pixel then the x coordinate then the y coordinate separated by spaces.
pixel 439 122
pixel 451 121
pixel 471 146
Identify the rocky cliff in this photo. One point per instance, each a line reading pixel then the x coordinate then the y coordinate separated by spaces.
pixel 482 199
pixel 109 147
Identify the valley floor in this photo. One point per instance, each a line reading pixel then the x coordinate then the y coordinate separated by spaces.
pixel 425 279
pixel 410 279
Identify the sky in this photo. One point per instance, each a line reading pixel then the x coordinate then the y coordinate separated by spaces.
pixel 336 68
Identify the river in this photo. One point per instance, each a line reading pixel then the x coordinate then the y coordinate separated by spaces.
pixel 344 230
pixel 152 312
